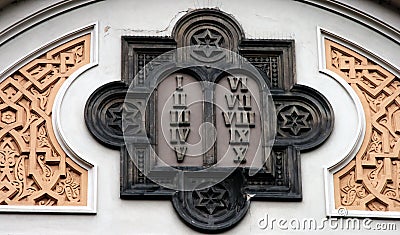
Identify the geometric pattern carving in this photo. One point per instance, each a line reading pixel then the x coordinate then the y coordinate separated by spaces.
pixel 34 169
pixel 371 181
pixel 294 120
pixel 269 65
pixel 219 206
pixel 207 45
pixel 211 200
pixel 304 119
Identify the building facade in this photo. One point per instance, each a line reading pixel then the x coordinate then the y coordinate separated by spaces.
pixel 86 146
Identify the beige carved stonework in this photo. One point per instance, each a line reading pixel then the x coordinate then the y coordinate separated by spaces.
pixel 34 169
pixel 371 181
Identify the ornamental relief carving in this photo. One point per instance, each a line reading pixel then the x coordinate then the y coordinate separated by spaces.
pixel 34 169
pixel 371 180
pixel 182 118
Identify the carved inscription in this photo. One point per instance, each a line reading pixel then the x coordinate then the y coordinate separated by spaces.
pixel 179 104
pixel 240 117
pixel 179 121
pixel 229 119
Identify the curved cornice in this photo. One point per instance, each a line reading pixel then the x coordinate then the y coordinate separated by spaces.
pixel 336 6
pixel 38 16
pixel 359 16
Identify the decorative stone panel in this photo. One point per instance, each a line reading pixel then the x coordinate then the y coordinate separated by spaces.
pixel 34 169
pixel 149 161
pixel 370 181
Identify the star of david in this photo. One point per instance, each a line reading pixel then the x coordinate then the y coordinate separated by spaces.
pixel 207 42
pixel 116 116
pixel 133 120
pixel 295 120
pixel 211 199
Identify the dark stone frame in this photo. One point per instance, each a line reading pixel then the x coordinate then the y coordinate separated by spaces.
pixel 274 58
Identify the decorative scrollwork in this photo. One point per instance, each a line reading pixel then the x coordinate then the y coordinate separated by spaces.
pixel 32 162
pixel 376 166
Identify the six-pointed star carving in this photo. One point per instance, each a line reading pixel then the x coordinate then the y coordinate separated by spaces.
pixel 116 116
pixel 207 42
pixel 211 199
pixel 132 118
pixel 295 120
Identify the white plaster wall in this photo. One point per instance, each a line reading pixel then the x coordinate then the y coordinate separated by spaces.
pixel 260 19
pixel 379 11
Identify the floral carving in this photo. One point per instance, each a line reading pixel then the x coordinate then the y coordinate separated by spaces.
pixel 69 187
pixel 34 169
pixel 376 143
pixel 8 117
